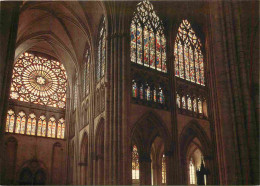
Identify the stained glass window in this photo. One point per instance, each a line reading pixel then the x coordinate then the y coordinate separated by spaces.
pixel 178 100
pixel 154 95
pixel 31 124
pixel 85 73
pixel 199 106
pixel 161 96
pixel 134 89
pixel 61 128
pixel 10 121
pixel 101 60
pixel 192 172
pixel 189 61
pixel 135 163
pixel 41 131
pixel 148 92
pixel 141 92
pixel 195 105
pixel 183 101
pixel 75 95
pixel 39 80
pixel 20 123
pixel 148 43
pixel 163 169
pixel 189 104
pixel 51 127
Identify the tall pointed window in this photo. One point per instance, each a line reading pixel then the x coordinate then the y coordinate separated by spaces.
pixel 192 172
pixel 85 77
pixel 163 169
pixel 189 61
pixel 31 124
pixel 134 89
pixel 101 58
pixel 52 127
pixel 41 131
pixel 39 80
pixel 20 123
pixel 61 128
pixel 148 43
pixel 10 121
pixel 135 163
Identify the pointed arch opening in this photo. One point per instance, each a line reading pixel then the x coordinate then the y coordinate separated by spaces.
pixel 148 43
pixel 189 60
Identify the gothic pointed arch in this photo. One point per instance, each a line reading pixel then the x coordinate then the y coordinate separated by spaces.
pixel 150 125
pixel 193 135
pixel 189 65
pixel 99 150
pixel 148 43
pixel 148 57
pixel 84 159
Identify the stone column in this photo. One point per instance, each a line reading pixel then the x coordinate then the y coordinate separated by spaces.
pixel 229 94
pixel 9 27
pixel 145 169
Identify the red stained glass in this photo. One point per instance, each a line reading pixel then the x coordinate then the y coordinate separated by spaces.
pixel 148 44
pixel 189 63
pixel 39 80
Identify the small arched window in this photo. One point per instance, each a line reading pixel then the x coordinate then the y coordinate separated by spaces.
pixel 183 101
pixel 148 43
pixel 134 89
pixel 10 121
pixel 31 124
pixel 178 100
pixel 41 131
pixel 199 106
pixel 192 172
pixel 148 92
pixel 135 163
pixel 189 61
pixel 61 128
pixel 163 169
pixel 52 127
pixel 101 58
pixel 195 105
pixel 20 123
pixel 189 103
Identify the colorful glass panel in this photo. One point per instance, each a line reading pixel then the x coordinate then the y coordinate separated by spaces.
pixel 134 89
pixel 192 58
pixel 10 121
pixel 163 169
pixel 135 163
pixel 39 80
pixel 141 92
pixel 20 123
pixel 189 104
pixel 161 96
pixel 133 42
pixel 31 124
pixel 178 100
pixel 195 105
pixel 200 106
pixel 149 40
pixel 154 95
pixel 192 172
pixel 183 101
pixel 101 61
pixel 148 93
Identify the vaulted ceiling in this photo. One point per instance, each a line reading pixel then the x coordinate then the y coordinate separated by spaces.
pixel 64 29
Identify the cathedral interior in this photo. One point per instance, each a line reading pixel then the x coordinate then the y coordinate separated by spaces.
pixel 129 92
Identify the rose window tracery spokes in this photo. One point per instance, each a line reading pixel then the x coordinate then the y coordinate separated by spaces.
pixel 39 80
